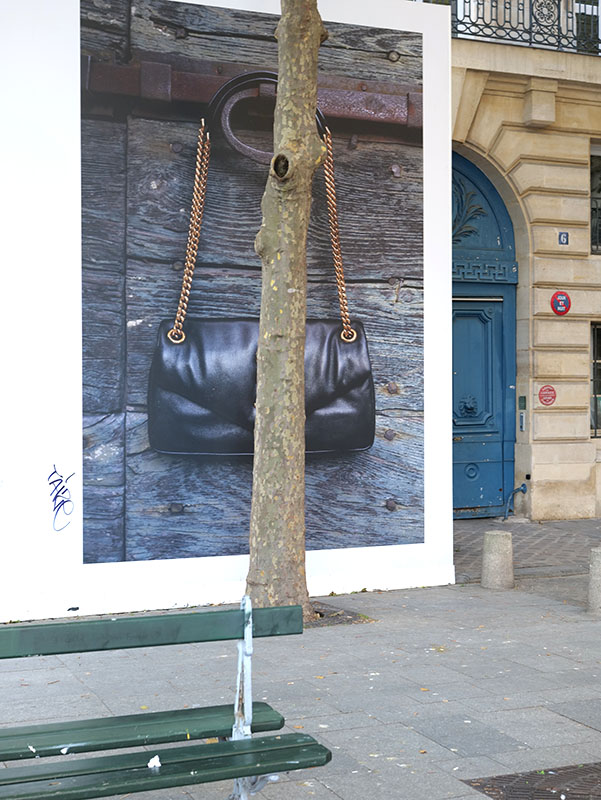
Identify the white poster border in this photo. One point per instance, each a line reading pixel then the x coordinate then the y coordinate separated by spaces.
pixel 42 573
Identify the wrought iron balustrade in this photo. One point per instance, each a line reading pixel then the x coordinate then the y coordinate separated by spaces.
pixel 553 24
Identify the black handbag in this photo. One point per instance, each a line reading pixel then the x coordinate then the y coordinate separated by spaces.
pixel 202 385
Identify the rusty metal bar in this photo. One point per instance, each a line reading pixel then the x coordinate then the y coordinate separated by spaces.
pixel 339 98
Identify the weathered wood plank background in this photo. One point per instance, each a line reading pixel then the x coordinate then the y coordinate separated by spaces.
pixel 219 34
pixel 137 176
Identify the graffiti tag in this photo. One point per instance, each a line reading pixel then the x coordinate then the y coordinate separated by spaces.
pixel 62 505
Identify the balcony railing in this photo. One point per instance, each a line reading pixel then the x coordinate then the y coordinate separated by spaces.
pixel 552 24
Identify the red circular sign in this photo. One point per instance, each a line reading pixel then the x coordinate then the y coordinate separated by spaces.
pixel 561 303
pixel 547 395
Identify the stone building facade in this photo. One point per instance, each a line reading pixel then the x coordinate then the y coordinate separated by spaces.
pixel 529 119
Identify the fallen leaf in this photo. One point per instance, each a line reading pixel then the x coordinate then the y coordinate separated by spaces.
pixel 298 727
pixel 422 689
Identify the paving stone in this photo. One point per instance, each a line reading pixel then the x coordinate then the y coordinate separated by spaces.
pixel 478 766
pixel 466 736
pixel 540 727
pixel 542 660
pixel 385 744
pixel 593 749
pixel 148 701
pixel 399 782
pixel 545 758
pixel 376 703
pixel 588 713
pixel 307 789
pixel 341 764
pixel 548 697
pixel 506 684
pixel 570 589
pixel 479 668
pixel 333 722
pixel 438 712
pixel 579 676
pixel 439 692
pixel 202 791
pixel 20 664
pixel 296 699
pixel 53 681
pixel 469 796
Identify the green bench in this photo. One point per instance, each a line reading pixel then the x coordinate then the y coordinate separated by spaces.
pixel 251 762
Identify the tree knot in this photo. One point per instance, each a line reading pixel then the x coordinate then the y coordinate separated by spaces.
pixel 281 167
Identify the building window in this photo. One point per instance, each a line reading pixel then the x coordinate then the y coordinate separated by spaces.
pixel 596 379
pixel 596 199
pixel 587 27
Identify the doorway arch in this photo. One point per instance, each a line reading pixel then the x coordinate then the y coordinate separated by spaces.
pixel 485 274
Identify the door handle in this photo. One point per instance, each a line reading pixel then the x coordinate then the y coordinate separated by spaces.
pixel 457 438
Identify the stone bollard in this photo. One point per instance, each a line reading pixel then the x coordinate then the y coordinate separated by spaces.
pixel 497 560
pixel 594 582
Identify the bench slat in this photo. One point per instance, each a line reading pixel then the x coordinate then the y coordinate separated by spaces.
pixel 107 733
pixel 78 636
pixel 79 779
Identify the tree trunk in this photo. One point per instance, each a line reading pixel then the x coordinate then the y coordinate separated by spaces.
pixel 277 527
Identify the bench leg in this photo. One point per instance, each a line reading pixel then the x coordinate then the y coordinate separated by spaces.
pixel 241 789
pixel 245 787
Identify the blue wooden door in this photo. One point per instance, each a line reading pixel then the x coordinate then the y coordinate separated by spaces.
pixel 484 278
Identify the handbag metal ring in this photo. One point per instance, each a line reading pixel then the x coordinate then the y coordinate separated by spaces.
pixel 346 338
pixel 182 336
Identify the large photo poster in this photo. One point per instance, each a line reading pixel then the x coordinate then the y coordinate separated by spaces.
pixel 100 178
pixel 138 160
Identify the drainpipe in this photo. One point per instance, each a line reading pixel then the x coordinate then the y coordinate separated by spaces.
pixel 523 488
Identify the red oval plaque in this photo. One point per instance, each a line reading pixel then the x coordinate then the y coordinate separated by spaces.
pixel 560 303
pixel 547 395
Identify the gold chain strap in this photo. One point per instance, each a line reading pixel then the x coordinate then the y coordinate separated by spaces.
pixel 177 334
pixel 348 334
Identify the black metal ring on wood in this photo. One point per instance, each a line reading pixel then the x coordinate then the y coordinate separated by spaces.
pixel 236 90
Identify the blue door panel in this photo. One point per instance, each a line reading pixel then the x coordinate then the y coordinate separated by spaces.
pixel 477 403
pixel 477 367
pixel 477 451
pixel 480 484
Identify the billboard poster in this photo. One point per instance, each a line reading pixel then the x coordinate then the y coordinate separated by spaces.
pixel 102 522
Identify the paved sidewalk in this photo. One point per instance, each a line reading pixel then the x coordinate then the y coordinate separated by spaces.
pixel 444 684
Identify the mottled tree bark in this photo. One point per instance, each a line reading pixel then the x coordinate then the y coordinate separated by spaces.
pixel 277 527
